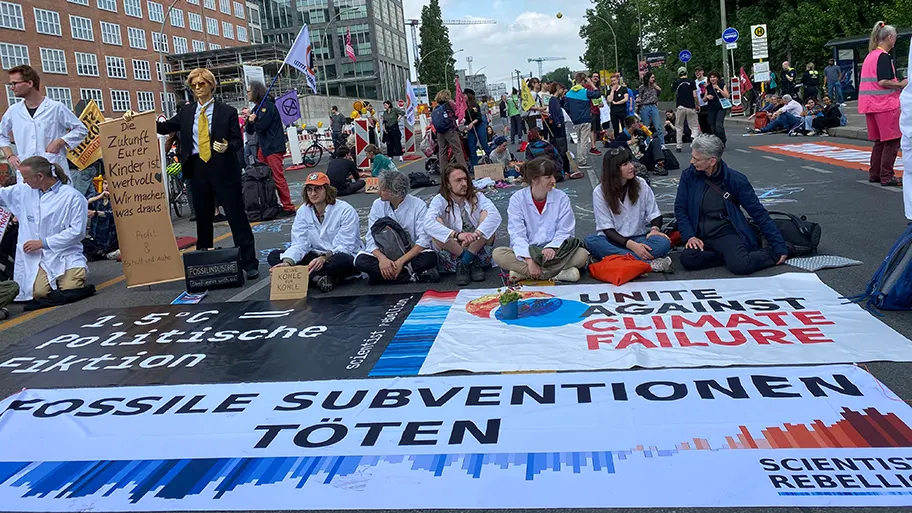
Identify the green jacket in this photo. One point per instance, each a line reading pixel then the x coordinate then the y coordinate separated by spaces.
pixel 513 106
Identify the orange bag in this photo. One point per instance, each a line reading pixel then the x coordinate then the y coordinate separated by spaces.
pixel 618 269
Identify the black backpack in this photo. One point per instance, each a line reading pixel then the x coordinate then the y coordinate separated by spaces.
pixel 420 179
pixel 801 236
pixel 260 196
pixel 443 118
pixel 391 238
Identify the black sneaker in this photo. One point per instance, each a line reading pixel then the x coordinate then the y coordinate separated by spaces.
pixel 462 274
pixel 476 271
pixel 429 276
pixel 323 283
pixel 660 170
pixel 287 213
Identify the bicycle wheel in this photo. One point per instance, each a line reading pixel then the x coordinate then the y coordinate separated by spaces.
pixel 176 195
pixel 312 155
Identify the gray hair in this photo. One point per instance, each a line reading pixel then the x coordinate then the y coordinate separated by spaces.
pixel 880 34
pixel 787 97
pixel 708 145
pixel 396 182
pixel 259 90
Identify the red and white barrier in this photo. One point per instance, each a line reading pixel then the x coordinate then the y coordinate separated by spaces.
pixel 361 142
pixel 411 144
pixel 737 107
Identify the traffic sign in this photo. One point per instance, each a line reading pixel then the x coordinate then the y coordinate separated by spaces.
pixel 685 56
pixel 730 35
pixel 719 42
pixel 758 32
pixel 401 104
pixel 761 67
pixel 731 46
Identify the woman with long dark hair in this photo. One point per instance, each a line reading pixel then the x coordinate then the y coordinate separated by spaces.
pixel 617 97
pixel 627 215
pixel 715 93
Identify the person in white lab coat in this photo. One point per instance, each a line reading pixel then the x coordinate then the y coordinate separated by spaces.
pixel 461 222
pixel 542 226
pixel 325 236
pixel 38 124
pixel 905 126
pixel 387 258
pixel 52 224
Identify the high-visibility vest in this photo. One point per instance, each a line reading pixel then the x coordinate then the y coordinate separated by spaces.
pixel 872 97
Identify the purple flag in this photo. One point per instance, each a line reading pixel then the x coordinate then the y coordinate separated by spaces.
pixel 289 109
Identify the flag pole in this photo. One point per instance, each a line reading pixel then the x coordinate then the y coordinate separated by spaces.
pixel 276 77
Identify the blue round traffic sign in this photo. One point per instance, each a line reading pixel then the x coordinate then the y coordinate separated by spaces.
pixel 685 56
pixel 730 35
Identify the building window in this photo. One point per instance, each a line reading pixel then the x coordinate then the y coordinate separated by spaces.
pixel 93 94
pixel 159 42
pixel 86 64
pixel 193 2
pixel 209 4
pixel 212 26
pixel 352 9
pixel 13 55
pixel 47 22
pixel 253 14
pixel 199 46
pixel 361 40
pixel 120 100
pixel 53 61
pixel 11 16
pixel 180 45
pixel 61 94
pixel 177 18
pixel 146 100
pixel 158 70
pixel 141 70
pixel 242 34
pixel 137 38
pixel 110 34
pixel 239 10
pixel 79 2
pixel 133 8
pixel 117 67
pixel 214 46
pixel 196 21
pixel 225 6
pixel 227 30
pixel 11 98
pixel 81 28
pixel 167 100
pixel 156 12
pixel 107 5
pixel 256 35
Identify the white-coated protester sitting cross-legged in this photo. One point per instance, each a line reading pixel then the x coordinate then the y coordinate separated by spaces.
pixel 461 222
pixel 627 215
pixel 541 225
pixel 325 236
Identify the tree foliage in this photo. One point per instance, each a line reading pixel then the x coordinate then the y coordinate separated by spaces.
pixel 560 75
pixel 436 65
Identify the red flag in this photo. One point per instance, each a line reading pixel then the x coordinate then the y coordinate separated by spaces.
pixel 349 49
pixel 461 104
pixel 746 84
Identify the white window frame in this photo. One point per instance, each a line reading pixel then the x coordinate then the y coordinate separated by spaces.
pixel 195 21
pixel 11 16
pixel 118 99
pixel 209 4
pixel 50 24
pixel 215 46
pixel 142 105
pixel 53 61
pixel 133 8
pixel 89 60
pixel 11 99
pixel 107 5
pixel 212 26
pixel 242 34
pixel 180 45
pixel 160 43
pixel 178 16
pixel 198 46
pixel 137 38
pixel 193 2
pixel 117 64
pixel 141 70
pixel 158 70
pixel 225 7
pixel 240 10
pixel 156 12
pixel 8 60
pixel 113 29
pixel 76 32
pixel 61 94
pixel 227 30
pixel 88 93
pixel 79 2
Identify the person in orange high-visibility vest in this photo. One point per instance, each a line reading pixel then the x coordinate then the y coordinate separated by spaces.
pixel 878 100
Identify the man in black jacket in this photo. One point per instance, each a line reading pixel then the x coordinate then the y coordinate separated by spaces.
pixel 266 123
pixel 210 138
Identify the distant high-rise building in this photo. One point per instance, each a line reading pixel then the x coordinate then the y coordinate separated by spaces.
pixel 497 90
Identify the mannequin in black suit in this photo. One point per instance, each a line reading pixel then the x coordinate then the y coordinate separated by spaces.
pixel 218 174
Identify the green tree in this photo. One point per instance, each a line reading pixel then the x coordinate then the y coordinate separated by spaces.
pixel 600 48
pixel 436 66
pixel 560 75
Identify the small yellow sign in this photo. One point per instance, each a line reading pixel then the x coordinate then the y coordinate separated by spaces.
pixel 89 150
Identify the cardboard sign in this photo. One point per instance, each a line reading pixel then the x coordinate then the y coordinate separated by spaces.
pixel 141 214
pixel 289 283
pixel 493 171
pixel 89 150
pixel 372 185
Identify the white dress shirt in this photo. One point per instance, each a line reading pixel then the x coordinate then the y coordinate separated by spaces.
pixel 410 215
pixel 53 120
pixel 633 219
pixel 209 106
pixel 452 221
pixel 340 231
pixel 549 229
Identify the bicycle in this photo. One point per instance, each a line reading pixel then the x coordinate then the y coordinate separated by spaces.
pixel 314 153
pixel 177 191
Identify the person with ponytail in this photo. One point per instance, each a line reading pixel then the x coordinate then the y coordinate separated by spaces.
pixel 52 224
pixel 878 100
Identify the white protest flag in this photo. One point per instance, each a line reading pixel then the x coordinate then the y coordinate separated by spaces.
pixel 411 103
pixel 300 57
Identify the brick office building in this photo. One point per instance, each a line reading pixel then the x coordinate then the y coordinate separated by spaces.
pixel 108 50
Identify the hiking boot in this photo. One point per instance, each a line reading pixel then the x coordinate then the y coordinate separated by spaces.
pixel 462 274
pixel 430 276
pixel 476 271
pixel 661 265
pixel 323 283
pixel 570 274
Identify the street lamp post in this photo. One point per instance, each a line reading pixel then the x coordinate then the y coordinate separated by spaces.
pixel 613 35
pixel 161 57
pixel 446 69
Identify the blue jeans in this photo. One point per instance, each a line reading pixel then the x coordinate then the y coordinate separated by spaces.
pixel 783 121
pixel 808 122
pixel 652 114
pixel 476 137
pixel 599 246
pixel 834 91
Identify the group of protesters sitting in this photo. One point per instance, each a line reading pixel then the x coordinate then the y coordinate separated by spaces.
pixel 410 241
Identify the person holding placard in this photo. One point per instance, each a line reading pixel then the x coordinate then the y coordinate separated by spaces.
pixel 325 236
pixel 461 223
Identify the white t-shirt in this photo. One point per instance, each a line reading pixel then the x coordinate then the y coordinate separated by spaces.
pixel 633 219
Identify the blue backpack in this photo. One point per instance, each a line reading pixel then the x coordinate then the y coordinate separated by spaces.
pixel 891 286
pixel 443 119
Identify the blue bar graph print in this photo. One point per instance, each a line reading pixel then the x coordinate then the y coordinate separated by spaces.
pixel 406 353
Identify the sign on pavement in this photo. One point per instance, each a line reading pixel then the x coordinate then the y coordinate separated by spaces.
pixel 685 56
pixel 730 35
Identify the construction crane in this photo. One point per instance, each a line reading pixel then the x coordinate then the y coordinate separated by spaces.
pixel 540 60
pixel 414 24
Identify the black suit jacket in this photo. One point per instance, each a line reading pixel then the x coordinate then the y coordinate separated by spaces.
pixel 224 126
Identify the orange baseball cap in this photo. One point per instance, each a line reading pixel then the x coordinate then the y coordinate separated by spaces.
pixel 317 179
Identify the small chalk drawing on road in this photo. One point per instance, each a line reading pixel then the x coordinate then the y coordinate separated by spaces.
pixel 264 253
pixel 274 226
pixel 665 183
pixel 774 195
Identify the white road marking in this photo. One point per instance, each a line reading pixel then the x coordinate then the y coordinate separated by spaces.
pixel 891 189
pixel 249 291
pixel 741 150
pixel 812 168
pixel 773 158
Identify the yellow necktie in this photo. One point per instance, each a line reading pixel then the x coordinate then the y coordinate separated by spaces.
pixel 205 148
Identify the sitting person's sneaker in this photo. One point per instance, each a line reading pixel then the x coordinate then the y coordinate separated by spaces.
pixel 570 274
pixel 323 283
pixel 660 169
pixel 477 271
pixel 429 276
pixel 515 277
pixel 462 274
pixel 661 265
pixel 4 314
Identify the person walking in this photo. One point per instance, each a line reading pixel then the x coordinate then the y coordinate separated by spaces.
pixel 687 107
pixel 832 81
pixel 701 83
pixel 267 125
pixel 392 135
pixel 476 123
pixel 715 93
pixel 648 100
pixel 336 124
pixel 617 97
pixel 514 111
pixel 443 117
pixel 577 103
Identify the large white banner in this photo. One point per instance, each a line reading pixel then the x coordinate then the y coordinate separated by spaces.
pixel 790 436
pixel 786 319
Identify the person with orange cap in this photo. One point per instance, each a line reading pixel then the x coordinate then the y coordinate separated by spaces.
pixel 325 236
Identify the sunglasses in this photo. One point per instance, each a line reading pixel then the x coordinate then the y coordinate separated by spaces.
pixel 199 85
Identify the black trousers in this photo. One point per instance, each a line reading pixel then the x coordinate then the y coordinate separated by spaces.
pixel 703 119
pixel 821 123
pixel 516 128
pixel 717 121
pixel 393 140
pixel 617 120
pixel 370 265
pixel 730 250
pixel 338 267
pixel 208 186
pixel 350 188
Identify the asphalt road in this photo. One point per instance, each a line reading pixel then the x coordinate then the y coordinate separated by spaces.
pixel 859 221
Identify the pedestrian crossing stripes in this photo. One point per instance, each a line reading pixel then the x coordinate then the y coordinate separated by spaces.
pixel 842 155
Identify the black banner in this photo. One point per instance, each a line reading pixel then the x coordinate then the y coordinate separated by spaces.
pixel 331 338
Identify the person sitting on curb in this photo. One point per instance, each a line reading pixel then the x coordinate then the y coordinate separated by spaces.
pixel 398 248
pixel 788 116
pixel 541 225
pixel 708 212
pixel 461 222
pixel 325 236
pixel 627 214
pixel 379 161
pixel 343 174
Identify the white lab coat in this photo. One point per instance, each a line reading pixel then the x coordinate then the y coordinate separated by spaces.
pixel 410 215
pixel 633 219
pixel 905 126
pixel 57 217
pixel 452 221
pixel 527 227
pixel 53 120
pixel 340 231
